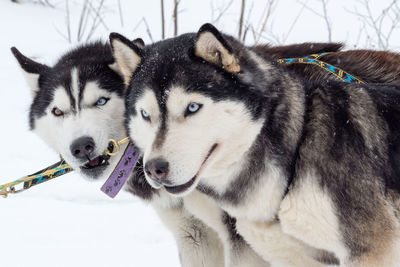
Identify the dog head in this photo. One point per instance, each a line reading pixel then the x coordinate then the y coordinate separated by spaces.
pixel 192 107
pixel 78 105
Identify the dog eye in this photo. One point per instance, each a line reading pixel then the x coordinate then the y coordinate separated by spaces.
pixel 192 108
pixel 145 115
pixel 101 101
pixel 57 112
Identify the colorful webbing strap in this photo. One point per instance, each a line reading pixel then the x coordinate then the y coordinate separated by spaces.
pixel 51 172
pixel 314 59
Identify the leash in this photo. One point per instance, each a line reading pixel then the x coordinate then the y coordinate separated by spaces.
pixel 53 171
pixel 314 60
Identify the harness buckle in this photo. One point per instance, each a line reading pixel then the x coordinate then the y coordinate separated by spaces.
pixel 116 145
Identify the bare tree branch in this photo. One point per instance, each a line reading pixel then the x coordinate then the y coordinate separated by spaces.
pixel 293 23
pixel 175 17
pixel 97 13
pixel 82 19
pixel 162 21
pixel 97 19
pixel 268 7
pixel 68 21
pixel 120 13
pixel 383 25
pixel 148 30
pixel 143 20
pixel 328 24
pixel 323 16
pixel 248 26
pixel 221 11
pixel 241 19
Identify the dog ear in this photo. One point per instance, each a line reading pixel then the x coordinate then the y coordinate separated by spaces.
pixel 32 69
pixel 139 42
pixel 127 55
pixel 212 47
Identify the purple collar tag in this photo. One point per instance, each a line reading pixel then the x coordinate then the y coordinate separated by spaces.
pixel 121 172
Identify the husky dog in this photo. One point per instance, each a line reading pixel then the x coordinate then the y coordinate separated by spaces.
pixel 236 250
pixel 78 105
pixel 305 164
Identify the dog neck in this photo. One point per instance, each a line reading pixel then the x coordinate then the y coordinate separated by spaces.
pixel 263 176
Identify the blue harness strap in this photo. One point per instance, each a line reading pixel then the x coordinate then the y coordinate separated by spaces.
pixel 314 60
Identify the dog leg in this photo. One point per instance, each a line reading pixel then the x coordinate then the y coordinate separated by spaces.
pixel 308 214
pixel 280 249
pixel 236 250
pixel 198 245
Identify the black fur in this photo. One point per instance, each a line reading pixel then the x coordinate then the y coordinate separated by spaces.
pixel 237 240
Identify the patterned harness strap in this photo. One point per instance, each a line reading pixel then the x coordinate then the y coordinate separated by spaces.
pixel 314 60
pixel 61 168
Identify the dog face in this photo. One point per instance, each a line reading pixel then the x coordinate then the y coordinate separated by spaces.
pixel 78 106
pixel 187 109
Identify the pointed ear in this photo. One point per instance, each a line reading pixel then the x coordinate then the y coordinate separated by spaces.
pixel 212 47
pixel 127 55
pixel 139 42
pixel 32 69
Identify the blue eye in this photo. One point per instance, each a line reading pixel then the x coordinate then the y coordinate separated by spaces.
pixel 192 108
pixel 145 115
pixel 101 101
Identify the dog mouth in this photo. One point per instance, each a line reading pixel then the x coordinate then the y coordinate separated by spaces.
pixel 183 187
pixel 180 188
pixel 98 161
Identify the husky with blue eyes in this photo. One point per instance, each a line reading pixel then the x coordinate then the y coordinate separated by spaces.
pixel 189 120
pixel 312 165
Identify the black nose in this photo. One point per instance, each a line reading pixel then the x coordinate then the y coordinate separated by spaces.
pixel 82 147
pixel 157 169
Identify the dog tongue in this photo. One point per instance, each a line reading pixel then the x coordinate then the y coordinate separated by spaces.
pixel 94 162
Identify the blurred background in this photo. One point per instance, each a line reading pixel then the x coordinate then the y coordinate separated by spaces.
pixel 68 221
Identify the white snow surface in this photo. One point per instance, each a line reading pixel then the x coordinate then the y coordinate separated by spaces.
pixel 69 221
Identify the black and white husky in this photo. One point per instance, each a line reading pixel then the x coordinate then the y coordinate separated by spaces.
pixel 139 67
pixel 296 164
pixel 78 105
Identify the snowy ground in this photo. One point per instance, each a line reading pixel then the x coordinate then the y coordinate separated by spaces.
pixel 68 221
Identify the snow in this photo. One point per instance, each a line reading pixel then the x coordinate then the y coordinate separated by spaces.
pixel 69 221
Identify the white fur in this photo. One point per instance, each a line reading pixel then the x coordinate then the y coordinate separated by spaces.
pixel 205 209
pixel 282 250
pixel 308 214
pixel 75 87
pixel 199 246
pixel 33 81
pixel 264 199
